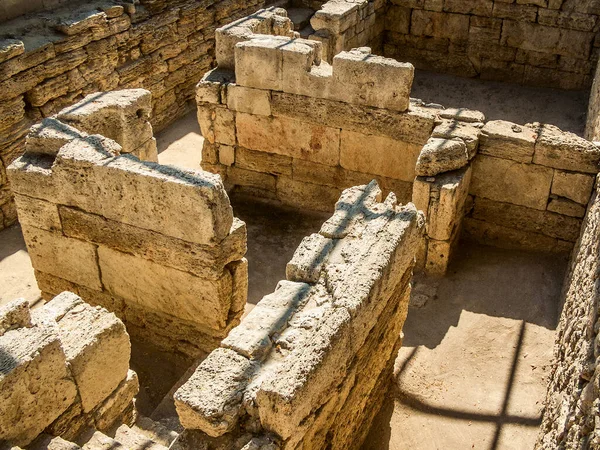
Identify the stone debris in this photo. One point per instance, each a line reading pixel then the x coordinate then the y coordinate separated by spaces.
pixel 276 370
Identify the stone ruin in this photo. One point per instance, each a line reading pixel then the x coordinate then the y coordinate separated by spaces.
pixel 122 245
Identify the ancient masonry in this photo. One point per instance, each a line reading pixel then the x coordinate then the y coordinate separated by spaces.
pixel 54 376
pixel 157 246
pixel 307 368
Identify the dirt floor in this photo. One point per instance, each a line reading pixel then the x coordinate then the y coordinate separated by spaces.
pixel 472 370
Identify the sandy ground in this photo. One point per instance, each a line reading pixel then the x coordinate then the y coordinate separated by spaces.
pixel 472 370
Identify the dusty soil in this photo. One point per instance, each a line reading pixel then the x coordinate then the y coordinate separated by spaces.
pixel 472 370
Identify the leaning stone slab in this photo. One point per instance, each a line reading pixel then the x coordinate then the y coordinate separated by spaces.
pixel 14 315
pixel 565 150
pixel 211 399
pixel 507 140
pixel 35 384
pixel 441 155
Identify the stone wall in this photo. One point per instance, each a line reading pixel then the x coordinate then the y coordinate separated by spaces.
pixel 572 406
pixel 157 246
pixel 50 60
pixel 592 125
pixel 65 368
pixel 310 365
pixel 538 42
pixel 529 186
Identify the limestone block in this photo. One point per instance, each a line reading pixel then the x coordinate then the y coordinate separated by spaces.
pixel 37 213
pixel 206 121
pixel 35 384
pixel 373 80
pixel 118 115
pixel 260 161
pixel 311 196
pixel 97 348
pixel 421 193
pixel 31 175
pixel 63 257
pixel 50 135
pixel 144 194
pixel 14 315
pixel 441 155
pixel 294 138
pixel 169 291
pixel 378 155
pixel 9 48
pixel 264 52
pixel 566 207
pixel 308 259
pixel 253 337
pixel 239 276
pixel 224 126
pixel 508 181
pixel 243 177
pixel 213 85
pixel 248 100
pixel 527 219
pixel 48 442
pixel 147 151
pixel 507 140
pixel 468 133
pixel 440 25
pixel 565 150
pixel 574 186
pixel 438 257
pixel 446 210
pixel 113 407
pixel 100 441
pixel 226 155
pixel 211 399
pixel 335 16
pixel 462 115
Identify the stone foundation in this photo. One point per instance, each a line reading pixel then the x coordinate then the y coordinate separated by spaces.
pixel 310 365
pixel 65 368
pixel 157 246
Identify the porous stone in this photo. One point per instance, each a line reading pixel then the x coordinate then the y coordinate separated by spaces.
pixel 507 140
pixel 566 207
pixel 574 186
pixel 468 133
pixel 441 155
pixel 248 100
pixel 37 213
pixel 111 409
pixel 14 315
pixel 308 259
pixel 50 135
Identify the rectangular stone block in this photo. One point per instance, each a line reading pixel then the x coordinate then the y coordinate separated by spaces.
pixel 565 150
pixel 438 256
pixel 306 195
pixel 243 177
pixel 169 291
pixel 378 155
pixel 97 348
pixel 508 181
pixel 106 415
pixel 467 132
pixel 14 315
pixel 248 100
pixel 527 219
pixel 31 175
pixel 440 25
pixel 507 140
pixel 37 213
pixel 574 186
pixel 35 385
pixel 263 52
pixel 64 257
pixel 260 161
pixel 294 138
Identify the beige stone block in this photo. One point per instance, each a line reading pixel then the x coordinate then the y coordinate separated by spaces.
pixel 224 126
pixel 468 133
pixel 239 275
pixel 421 193
pixel 48 442
pixel 307 195
pixel 378 155
pixel 147 151
pixel 508 181
pixel 527 219
pixel 37 213
pixel 243 177
pixel 262 52
pixel 14 315
pixel 260 161
pixel 113 407
pixel 118 115
pixel 212 87
pixel 206 122
pixel 35 386
pixel 294 138
pixel 566 207
pixel 504 237
pixel 441 155
pixel 31 175
pixel 226 155
pixel 565 150
pixel 307 262
pixel 211 400
pixel 248 100
pixel 438 257
pixel 574 186
pixel 97 348
pixel 507 140
pixel 440 25
pixel 64 257
pixel 50 135
pixel 163 289
pixel 462 115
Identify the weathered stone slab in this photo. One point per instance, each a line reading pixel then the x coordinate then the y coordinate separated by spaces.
pixel 211 399
pixel 37 213
pixel 71 259
pixel 441 155
pixel 35 384
pixel 31 175
pixel 462 115
pixel 50 135
pixel 170 291
pixel 511 182
pixel 262 52
pixel 574 186
pixel 564 150
pixel 243 177
pixel 308 259
pixel 248 100
pixel 113 407
pixel 260 161
pixel 378 155
pixel 566 207
pixel 295 139
pixel 14 315
pixel 507 140
pixel 450 129
pixel 212 87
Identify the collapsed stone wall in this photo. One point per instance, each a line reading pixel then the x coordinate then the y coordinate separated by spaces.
pixel 50 60
pixel 572 408
pixel 310 365
pixel 65 368
pixel 538 42
pixel 156 245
